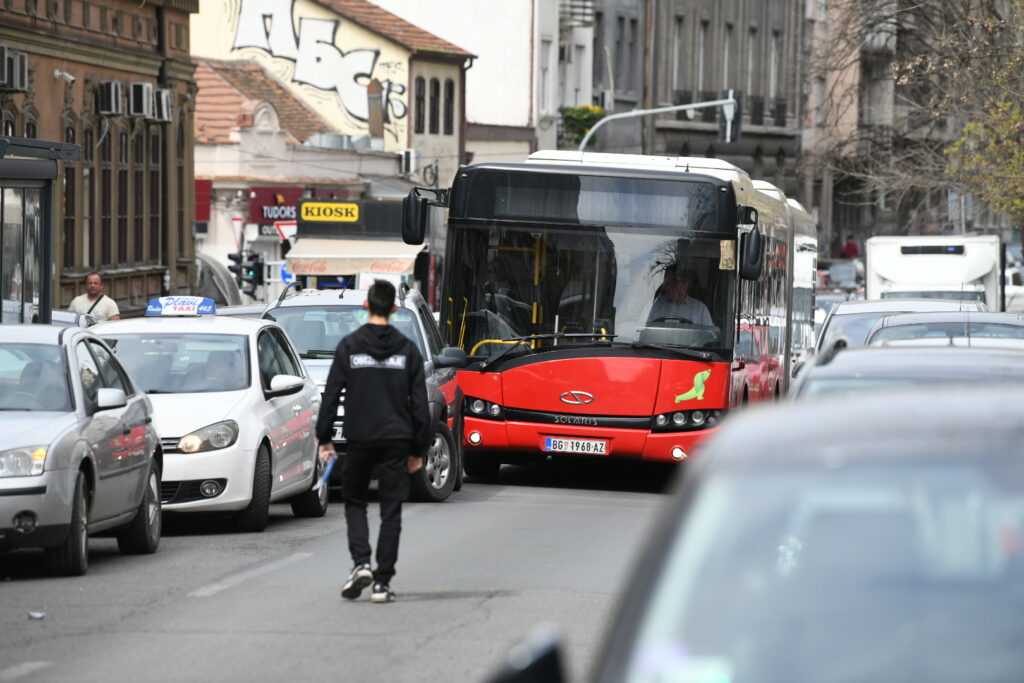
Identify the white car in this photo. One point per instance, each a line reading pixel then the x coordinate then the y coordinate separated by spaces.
pixel 234 407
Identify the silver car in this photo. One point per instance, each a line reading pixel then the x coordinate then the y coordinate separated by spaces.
pixel 78 452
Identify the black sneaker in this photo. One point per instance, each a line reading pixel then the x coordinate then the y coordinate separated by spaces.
pixel 360 578
pixel 381 592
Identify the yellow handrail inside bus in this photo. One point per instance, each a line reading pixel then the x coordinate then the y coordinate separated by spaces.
pixel 462 326
pixel 451 305
pixel 494 341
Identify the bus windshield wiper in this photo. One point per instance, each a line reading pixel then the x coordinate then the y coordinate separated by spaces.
pixel 516 342
pixel 689 353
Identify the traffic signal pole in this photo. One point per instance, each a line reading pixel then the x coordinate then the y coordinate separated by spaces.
pixel 728 106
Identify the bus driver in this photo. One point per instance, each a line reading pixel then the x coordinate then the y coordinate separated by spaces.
pixel 673 303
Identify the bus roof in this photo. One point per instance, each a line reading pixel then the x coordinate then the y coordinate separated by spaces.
pixel 707 166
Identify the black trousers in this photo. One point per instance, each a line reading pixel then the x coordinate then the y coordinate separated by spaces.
pixel 390 458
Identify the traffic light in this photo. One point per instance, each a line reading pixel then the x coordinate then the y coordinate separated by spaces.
pixel 249 274
pixel 730 131
pixel 259 271
pixel 236 266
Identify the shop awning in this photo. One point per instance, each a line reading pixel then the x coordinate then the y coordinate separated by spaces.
pixel 312 256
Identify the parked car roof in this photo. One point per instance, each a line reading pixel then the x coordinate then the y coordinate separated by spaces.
pixel 905 305
pixel 31 333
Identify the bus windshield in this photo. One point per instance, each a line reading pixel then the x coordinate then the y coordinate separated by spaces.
pixel 646 285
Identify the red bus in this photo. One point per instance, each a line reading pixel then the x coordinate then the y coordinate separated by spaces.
pixel 611 305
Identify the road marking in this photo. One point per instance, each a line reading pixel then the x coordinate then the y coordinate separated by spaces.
pixel 234 580
pixel 24 669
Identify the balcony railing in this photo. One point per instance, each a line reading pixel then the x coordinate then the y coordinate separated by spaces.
pixel 576 13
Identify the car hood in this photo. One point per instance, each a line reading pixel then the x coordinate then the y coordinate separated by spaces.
pixel 32 428
pixel 176 415
pixel 318 368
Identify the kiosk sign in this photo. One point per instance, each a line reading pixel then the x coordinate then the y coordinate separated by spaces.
pixel 324 211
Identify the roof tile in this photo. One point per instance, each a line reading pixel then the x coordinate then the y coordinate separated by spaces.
pixel 379 20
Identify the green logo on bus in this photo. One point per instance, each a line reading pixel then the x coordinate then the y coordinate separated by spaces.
pixel 697 391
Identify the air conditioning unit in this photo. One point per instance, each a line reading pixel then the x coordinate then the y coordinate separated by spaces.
pixel 140 100
pixel 108 98
pixel 408 161
pixel 15 70
pixel 162 105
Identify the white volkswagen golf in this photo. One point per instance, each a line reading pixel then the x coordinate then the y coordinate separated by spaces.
pixel 234 408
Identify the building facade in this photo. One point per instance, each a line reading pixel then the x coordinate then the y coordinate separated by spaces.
pixel 651 54
pixel 115 78
pixel 258 152
pixel 365 71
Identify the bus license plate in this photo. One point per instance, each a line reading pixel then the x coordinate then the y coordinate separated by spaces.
pixel 339 433
pixel 584 446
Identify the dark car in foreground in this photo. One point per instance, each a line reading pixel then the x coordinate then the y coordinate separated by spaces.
pixel 855 371
pixel 873 539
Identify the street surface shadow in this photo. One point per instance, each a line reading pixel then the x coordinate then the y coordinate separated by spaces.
pixel 588 475
pixel 30 563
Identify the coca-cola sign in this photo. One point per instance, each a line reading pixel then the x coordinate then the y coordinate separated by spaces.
pixel 269 204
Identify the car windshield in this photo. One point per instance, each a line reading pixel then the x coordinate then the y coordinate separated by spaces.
pixel 949 329
pixel 639 284
pixel 33 377
pixel 908 572
pixel 315 331
pixel 184 363
pixel 951 295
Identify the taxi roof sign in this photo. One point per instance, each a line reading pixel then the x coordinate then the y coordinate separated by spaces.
pixel 181 306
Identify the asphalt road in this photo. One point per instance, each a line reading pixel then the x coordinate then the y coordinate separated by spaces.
pixel 541 545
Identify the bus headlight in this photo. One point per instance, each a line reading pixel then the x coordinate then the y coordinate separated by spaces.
pixel 477 407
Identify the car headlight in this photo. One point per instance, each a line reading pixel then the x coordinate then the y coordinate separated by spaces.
pixel 211 438
pixel 22 462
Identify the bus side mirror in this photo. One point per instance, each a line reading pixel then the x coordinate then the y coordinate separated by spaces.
pixel 751 250
pixel 414 218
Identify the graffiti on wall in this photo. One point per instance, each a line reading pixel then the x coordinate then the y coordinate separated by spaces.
pixel 318 59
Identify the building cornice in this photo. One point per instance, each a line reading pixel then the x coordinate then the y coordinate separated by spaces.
pixel 71 49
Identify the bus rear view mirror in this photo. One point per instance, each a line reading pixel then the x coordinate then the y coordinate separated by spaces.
pixel 414 218
pixel 751 250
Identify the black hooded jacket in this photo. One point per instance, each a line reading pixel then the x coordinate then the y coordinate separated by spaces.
pixel 381 371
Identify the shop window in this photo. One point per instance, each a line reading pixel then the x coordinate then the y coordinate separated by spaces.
pixel 155 144
pixel 435 106
pixel 12 234
pixel 419 114
pixel 122 197
pixel 138 195
pixel 69 236
pixel 106 191
pixel 449 106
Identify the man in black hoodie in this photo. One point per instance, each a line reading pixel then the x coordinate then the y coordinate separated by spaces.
pixel 387 425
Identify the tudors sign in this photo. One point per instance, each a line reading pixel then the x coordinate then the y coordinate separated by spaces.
pixel 270 204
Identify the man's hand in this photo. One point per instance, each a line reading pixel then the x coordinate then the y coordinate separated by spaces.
pixel 327 452
pixel 415 464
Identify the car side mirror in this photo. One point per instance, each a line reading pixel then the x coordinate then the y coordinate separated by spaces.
pixel 451 357
pixel 414 218
pixel 751 251
pixel 797 367
pixel 282 385
pixel 108 399
pixel 538 660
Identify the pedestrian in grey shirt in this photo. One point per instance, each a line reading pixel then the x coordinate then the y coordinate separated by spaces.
pixel 673 302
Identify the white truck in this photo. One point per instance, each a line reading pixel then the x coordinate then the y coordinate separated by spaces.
pixel 963 267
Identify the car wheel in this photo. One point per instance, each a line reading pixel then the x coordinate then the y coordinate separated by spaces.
pixel 435 481
pixel 71 558
pixel 142 535
pixel 482 466
pixel 312 503
pixel 254 516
